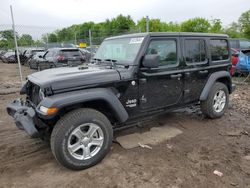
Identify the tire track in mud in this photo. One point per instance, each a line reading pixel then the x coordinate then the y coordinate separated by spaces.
pixel 20 148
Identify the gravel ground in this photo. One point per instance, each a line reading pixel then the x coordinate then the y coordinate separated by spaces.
pixel 188 160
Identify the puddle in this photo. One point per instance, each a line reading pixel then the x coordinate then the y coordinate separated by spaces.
pixel 152 137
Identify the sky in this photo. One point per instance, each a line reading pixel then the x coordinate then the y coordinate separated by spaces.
pixel 50 14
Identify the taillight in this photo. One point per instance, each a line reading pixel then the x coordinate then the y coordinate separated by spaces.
pixel 60 58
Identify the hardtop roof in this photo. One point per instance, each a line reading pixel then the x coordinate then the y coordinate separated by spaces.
pixel 167 34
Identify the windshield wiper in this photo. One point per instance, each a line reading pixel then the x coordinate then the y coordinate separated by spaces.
pixel 96 59
pixel 112 61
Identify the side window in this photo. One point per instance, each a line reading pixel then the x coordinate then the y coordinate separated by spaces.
pixel 166 49
pixel 233 43
pixel 219 49
pixel 195 51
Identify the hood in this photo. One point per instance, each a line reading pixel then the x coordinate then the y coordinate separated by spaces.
pixel 73 77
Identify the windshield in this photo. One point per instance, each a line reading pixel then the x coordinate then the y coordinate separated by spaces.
pixel 71 53
pixel 123 49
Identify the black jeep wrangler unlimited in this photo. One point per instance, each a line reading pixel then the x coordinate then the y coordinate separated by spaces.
pixel 130 77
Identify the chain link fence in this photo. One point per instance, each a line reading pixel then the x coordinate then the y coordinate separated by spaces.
pixel 45 37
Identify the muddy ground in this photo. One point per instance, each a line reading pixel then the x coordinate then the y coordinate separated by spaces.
pixel 187 160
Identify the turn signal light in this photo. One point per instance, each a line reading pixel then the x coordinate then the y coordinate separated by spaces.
pixel 51 111
pixel 48 111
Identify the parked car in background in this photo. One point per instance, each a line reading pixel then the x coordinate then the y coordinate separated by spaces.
pixel 29 53
pixel 61 57
pixel 240 50
pixel 11 57
pixel 240 44
pixel 35 59
pixel 92 49
pixel 2 52
pixel 86 53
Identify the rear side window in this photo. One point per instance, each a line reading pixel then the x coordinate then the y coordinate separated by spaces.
pixel 195 51
pixel 166 49
pixel 219 49
pixel 71 53
pixel 233 44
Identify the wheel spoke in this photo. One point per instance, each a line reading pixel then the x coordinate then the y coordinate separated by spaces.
pixel 96 141
pixel 216 105
pixel 92 130
pixel 73 148
pixel 86 152
pixel 220 94
pixel 78 133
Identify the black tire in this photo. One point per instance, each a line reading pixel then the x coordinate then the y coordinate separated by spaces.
pixel 66 125
pixel 207 105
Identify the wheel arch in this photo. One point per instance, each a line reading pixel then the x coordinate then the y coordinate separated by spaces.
pixel 101 99
pixel 221 76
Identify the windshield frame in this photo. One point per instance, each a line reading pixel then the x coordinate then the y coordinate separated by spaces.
pixel 125 61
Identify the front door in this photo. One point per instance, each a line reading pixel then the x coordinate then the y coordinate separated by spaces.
pixel 162 86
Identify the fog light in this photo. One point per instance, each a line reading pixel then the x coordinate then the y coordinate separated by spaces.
pixel 48 111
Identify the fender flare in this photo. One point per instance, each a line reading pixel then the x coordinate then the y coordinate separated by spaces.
pixel 77 97
pixel 211 80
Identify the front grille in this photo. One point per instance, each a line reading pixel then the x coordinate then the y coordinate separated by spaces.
pixel 33 93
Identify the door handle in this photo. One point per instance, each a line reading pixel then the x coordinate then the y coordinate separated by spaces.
pixel 203 72
pixel 142 80
pixel 176 76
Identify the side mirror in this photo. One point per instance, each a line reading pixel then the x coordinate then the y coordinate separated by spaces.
pixel 151 61
pixel 40 56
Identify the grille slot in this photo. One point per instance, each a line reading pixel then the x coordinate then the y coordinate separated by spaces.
pixel 33 93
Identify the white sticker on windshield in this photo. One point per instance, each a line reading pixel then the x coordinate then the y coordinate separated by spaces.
pixel 137 40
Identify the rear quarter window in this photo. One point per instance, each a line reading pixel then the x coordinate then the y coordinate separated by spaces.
pixel 219 49
pixel 233 44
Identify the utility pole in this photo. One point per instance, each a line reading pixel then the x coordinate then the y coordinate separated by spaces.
pixel 75 39
pixel 17 51
pixel 90 42
pixel 147 24
pixel 47 41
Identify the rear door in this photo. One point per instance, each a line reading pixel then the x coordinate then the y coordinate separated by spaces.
pixel 162 86
pixel 195 55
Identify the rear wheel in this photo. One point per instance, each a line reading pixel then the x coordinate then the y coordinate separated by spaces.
pixel 81 139
pixel 217 101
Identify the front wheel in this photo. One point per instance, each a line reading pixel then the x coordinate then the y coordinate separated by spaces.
pixel 217 102
pixel 81 139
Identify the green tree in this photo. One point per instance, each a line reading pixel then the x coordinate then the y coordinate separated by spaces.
pixel 122 24
pixel 215 26
pixel 52 37
pixel 25 40
pixel 195 25
pixel 233 30
pixel 155 25
pixel 7 39
pixel 244 22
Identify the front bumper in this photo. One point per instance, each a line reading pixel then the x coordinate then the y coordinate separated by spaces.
pixel 23 117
